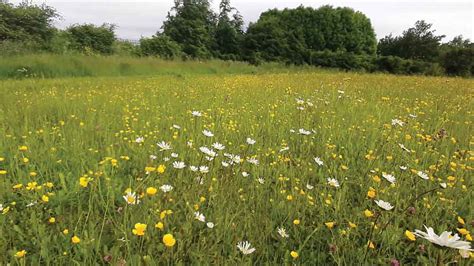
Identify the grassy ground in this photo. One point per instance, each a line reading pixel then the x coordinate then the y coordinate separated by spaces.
pixel 70 149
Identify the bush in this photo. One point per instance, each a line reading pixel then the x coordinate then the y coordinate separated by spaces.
pixel 160 45
pixel 459 61
pixel 92 39
pixel 389 64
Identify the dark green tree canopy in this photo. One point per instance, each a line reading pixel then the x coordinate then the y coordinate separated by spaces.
pixel 191 23
pixel 292 33
pixel 229 32
pixel 419 42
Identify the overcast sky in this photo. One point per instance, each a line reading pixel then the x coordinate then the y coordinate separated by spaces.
pixel 144 17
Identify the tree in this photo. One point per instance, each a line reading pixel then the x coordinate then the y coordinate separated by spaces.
pixel 88 37
pixel 418 43
pixel 457 57
pixel 191 24
pixel 229 34
pixel 160 45
pixel 292 35
pixel 27 23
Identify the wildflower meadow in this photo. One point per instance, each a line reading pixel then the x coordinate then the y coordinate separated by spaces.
pixel 302 167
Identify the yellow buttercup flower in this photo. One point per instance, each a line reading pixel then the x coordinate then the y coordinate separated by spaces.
pixel 84 181
pixel 296 222
pixel 45 198
pixel 462 231
pixel 161 169
pixel 371 193
pixel 139 229
pixel 75 240
pixel 20 254
pixel 410 235
pixel 330 225
pixel 159 225
pixel 368 213
pixel 294 254
pixel 151 191
pixel 169 240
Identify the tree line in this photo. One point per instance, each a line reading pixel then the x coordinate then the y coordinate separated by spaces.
pixel 326 36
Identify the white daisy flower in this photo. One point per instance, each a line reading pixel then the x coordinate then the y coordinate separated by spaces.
pixel 318 161
pixel 210 225
pixel 245 174
pixel 203 169
pixel 140 140
pixel 251 141
pixel 384 205
pixel 423 175
pixel 261 180
pixel 200 217
pixel 390 178
pixel 446 239
pixel 218 146
pixel 333 182
pixel 282 232
pixel 166 188
pixel 131 198
pixel 397 122
pixel 207 133
pixel 196 113
pixel 208 152
pixel 164 146
pixel 193 168
pixel 245 247
pixel 253 161
pixel 179 165
pixel 310 187
pixel 302 131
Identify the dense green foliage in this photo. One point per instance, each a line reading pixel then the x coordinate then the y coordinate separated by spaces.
pixel 191 24
pixel 91 38
pixel 26 23
pixel 325 37
pixel 418 43
pixel 229 32
pixel 292 34
pixel 160 45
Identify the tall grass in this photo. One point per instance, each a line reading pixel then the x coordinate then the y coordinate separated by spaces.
pixel 52 65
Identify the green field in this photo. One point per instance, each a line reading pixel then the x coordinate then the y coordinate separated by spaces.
pixel 72 148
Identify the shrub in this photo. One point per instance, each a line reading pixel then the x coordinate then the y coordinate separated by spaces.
pixel 92 39
pixel 459 62
pixel 160 45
